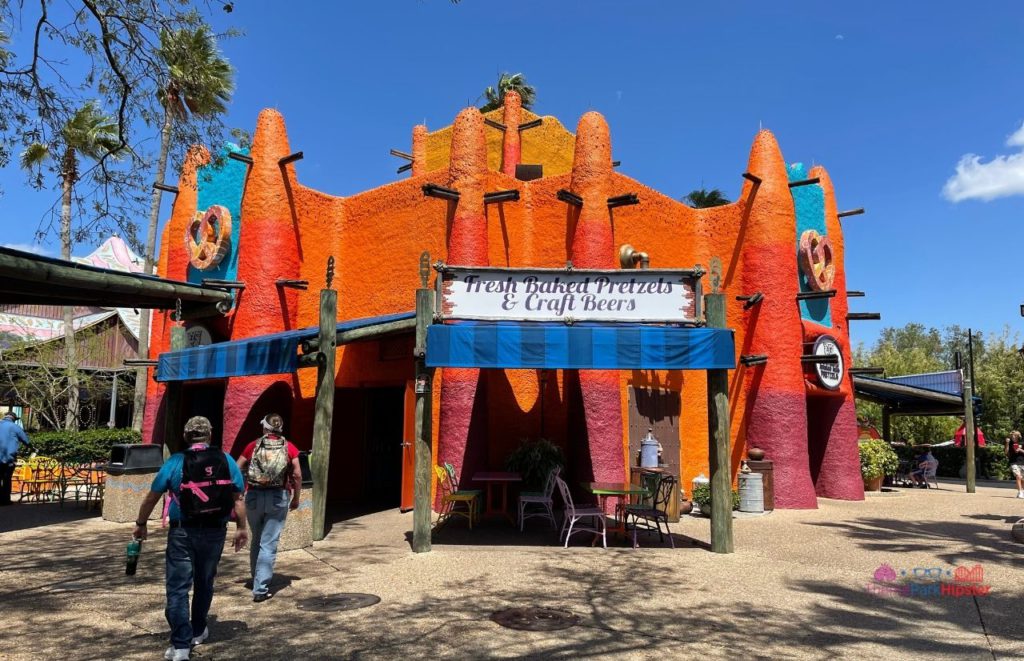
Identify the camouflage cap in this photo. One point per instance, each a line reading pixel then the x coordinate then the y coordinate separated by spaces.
pixel 198 429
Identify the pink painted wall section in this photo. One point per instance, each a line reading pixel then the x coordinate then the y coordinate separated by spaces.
pixel 462 428
pixel 592 248
pixel 838 469
pixel 776 405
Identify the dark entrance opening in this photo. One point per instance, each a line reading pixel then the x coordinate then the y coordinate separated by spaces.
pixel 205 398
pixel 365 473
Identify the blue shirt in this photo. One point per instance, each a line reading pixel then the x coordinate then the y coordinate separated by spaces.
pixel 169 479
pixel 10 435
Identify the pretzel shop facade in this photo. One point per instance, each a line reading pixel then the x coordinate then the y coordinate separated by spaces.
pixel 563 290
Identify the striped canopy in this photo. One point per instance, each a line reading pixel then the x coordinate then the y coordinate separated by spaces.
pixel 533 345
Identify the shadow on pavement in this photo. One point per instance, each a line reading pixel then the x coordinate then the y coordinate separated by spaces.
pixel 22 516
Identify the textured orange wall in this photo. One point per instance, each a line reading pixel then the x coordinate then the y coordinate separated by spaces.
pixel 376 237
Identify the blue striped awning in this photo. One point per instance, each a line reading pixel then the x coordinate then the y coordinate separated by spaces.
pixel 267 354
pixel 533 345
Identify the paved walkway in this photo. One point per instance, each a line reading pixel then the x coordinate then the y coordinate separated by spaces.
pixel 796 588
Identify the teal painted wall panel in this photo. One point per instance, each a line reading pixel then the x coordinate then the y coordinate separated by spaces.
pixel 222 183
pixel 809 202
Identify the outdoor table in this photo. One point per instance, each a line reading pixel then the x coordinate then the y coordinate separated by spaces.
pixel 619 490
pixel 502 478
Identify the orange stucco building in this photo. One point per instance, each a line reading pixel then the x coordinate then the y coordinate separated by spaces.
pixel 781 238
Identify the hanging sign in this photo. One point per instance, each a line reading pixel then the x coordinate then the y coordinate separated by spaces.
pixel 830 375
pixel 197 336
pixel 648 295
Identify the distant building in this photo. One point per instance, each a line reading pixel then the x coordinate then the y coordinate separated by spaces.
pixel 108 337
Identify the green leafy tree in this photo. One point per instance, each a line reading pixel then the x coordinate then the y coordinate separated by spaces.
pixel 91 134
pixel 702 198
pixel 494 97
pixel 197 82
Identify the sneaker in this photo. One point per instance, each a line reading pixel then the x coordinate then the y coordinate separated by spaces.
pixel 1020 494
pixel 173 654
pixel 201 638
pixel 258 598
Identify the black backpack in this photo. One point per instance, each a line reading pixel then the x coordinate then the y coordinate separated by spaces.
pixel 207 493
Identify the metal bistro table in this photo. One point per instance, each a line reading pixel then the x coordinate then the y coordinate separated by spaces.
pixel 619 490
pixel 502 478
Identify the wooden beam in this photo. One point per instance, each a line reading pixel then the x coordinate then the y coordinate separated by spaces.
pixel 424 462
pixel 886 425
pixel 290 158
pixel 323 412
pixel 570 197
pixel 851 212
pixel 718 439
pixel 805 182
pixel 863 316
pixel 495 125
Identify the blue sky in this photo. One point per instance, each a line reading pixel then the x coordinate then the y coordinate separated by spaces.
pixel 890 97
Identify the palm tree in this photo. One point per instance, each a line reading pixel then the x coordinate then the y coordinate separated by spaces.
pixel 703 198
pixel 197 81
pixel 94 135
pixel 495 96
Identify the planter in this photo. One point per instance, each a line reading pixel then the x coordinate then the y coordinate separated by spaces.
pixel 873 484
pixel 685 507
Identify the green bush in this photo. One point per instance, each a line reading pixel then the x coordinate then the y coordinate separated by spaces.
pixel 534 460
pixel 877 458
pixel 79 447
pixel 991 460
pixel 702 497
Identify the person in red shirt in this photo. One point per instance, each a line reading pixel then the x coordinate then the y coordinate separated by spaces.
pixel 270 465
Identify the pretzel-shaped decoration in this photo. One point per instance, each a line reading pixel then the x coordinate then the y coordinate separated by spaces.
pixel 816 260
pixel 208 237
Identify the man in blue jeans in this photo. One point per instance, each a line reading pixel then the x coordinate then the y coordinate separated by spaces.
pixel 271 466
pixel 194 545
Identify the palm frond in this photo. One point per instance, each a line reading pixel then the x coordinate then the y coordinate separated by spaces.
pixel 34 155
pixel 199 77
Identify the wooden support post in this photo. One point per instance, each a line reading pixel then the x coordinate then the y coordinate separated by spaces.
pixel 323 413
pixel 424 411
pixel 718 439
pixel 969 433
pixel 886 428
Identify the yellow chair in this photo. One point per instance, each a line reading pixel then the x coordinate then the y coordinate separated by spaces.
pixel 450 498
pixel 39 479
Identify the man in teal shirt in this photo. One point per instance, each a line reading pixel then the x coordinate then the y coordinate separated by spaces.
pixel 11 435
pixel 193 546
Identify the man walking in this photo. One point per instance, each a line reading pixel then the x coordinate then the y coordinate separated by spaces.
pixel 271 466
pixel 204 485
pixel 11 434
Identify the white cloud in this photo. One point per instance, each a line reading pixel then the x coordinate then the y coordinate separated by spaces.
pixel 1003 176
pixel 30 247
pixel 840 37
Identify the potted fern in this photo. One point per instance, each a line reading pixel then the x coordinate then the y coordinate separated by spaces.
pixel 877 460
pixel 534 459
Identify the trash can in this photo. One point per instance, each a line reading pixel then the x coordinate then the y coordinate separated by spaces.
pixel 764 467
pixel 129 475
pixel 751 492
pixel 298 527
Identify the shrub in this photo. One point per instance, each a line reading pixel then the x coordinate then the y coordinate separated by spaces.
pixel 877 458
pixel 79 447
pixel 534 460
pixel 702 497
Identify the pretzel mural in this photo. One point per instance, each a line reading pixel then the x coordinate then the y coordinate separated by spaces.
pixel 208 237
pixel 816 260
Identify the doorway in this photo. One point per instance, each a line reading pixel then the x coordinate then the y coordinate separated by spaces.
pixel 205 398
pixel 384 410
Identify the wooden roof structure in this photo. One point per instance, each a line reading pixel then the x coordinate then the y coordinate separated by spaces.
pixel 29 278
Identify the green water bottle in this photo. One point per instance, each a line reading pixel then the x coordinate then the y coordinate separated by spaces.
pixel 134 550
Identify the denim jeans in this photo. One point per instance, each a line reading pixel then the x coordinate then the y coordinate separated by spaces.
pixel 192 558
pixel 266 510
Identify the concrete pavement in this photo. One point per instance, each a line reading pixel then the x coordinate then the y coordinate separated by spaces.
pixel 797 587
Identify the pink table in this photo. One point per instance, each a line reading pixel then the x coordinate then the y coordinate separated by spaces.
pixel 497 477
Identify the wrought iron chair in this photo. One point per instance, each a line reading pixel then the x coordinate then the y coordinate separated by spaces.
pixel 656 510
pixel 544 499
pixel 574 514
pixel 39 479
pixel 450 498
